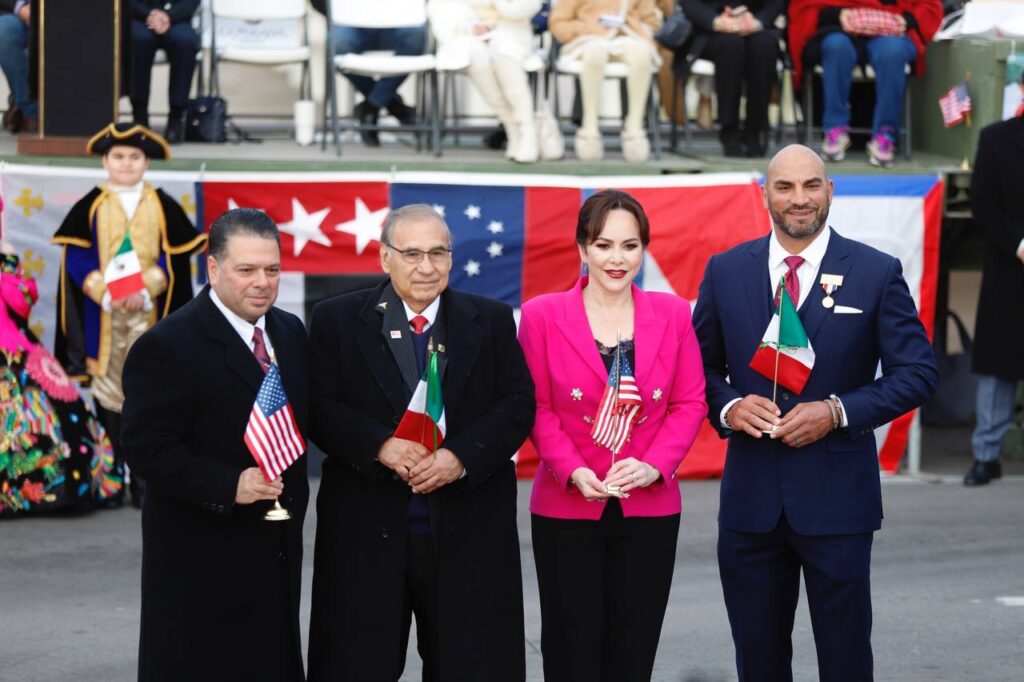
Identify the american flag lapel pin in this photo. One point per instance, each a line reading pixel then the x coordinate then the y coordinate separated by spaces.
pixel 395 334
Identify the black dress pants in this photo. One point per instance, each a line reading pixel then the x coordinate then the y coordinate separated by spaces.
pixel 421 600
pixel 181 43
pixel 604 586
pixel 743 62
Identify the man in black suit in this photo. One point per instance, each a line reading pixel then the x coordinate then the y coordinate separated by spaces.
pixel 998 207
pixel 403 530
pixel 220 585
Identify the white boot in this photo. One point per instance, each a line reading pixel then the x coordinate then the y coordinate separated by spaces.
pixel 515 87
pixel 526 150
pixel 486 81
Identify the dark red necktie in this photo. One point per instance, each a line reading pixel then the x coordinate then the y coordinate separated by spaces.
pixel 792 281
pixel 418 323
pixel 259 349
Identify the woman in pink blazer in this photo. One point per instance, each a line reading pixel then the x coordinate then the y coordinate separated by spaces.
pixel 604 563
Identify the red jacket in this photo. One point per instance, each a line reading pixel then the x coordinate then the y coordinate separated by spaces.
pixel 803 24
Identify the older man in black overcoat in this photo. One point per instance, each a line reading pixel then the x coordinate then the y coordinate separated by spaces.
pixel 998 206
pixel 220 584
pixel 404 530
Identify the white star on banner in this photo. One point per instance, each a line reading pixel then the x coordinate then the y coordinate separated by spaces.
pixel 495 227
pixel 305 227
pixel 494 249
pixel 232 204
pixel 472 268
pixel 365 227
pixel 439 208
pixel 472 212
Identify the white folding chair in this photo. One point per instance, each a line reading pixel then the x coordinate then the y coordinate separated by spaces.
pixel 368 14
pixel 254 11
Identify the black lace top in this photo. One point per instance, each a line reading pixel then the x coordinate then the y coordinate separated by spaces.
pixel 608 353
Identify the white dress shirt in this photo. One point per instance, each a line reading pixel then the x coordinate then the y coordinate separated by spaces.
pixel 244 327
pixel 807 274
pixel 430 312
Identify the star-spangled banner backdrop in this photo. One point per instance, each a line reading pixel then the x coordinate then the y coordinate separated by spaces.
pixel 513 235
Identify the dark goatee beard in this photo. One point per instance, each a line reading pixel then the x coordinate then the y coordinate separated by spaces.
pixel 779 219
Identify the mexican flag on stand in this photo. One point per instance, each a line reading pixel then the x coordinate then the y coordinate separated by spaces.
pixel 423 421
pixel 785 354
pixel 123 275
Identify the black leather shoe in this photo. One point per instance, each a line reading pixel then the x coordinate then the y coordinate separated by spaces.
pixel 731 145
pixel 175 131
pixel 405 114
pixel 981 473
pixel 367 114
pixel 752 145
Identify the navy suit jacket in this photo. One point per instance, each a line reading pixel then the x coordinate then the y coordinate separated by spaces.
pixel 830 487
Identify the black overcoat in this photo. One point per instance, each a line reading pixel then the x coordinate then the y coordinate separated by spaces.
pixel 359 394
pixel 997 201
pixel 220 586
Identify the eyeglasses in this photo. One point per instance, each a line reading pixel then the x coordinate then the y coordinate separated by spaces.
pixel 438 256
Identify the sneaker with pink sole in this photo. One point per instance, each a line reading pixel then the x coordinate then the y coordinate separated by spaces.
pixel 835 144
pixel 882 148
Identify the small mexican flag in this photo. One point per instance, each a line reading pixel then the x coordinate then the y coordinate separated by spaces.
pixel 423 421
pixel 123 275
pixel 785 354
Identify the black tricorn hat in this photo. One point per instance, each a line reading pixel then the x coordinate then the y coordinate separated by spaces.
pixel 129 135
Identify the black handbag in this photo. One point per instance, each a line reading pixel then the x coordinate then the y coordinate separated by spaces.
pixel 674 31
pixel 206 120
pixel 953 402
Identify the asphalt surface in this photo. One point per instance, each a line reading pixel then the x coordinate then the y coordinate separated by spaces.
pixel 69 592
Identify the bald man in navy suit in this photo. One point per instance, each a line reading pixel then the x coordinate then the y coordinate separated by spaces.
pixel 801 492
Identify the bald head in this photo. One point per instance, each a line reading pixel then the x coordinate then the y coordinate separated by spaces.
pixel 795 155
pixel 797 194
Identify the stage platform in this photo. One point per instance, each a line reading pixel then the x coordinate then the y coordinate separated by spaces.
pixel 272 151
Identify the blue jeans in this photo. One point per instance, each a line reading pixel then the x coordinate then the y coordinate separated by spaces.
pixel 14 62
pixel 995 411
pixel 887 55
pixel 407 41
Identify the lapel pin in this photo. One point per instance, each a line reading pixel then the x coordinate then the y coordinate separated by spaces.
pixel 440 348
pixel 657 394
pixel 587 419
pixel 395 334
pixel 577 394
pixel 383 305
pixel 830 283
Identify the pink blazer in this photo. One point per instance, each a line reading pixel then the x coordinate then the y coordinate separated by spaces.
pixel 570 379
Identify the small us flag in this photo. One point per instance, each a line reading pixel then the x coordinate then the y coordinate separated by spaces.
pixel 272 435
pixel 619 407
pixel 955 104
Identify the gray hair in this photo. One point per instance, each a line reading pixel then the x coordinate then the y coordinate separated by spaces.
pixel 411 212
